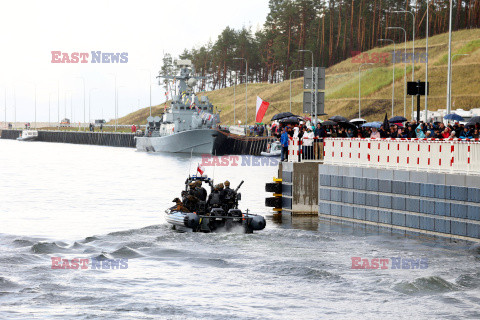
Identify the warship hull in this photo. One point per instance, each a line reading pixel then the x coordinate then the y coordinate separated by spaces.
pixel 196 141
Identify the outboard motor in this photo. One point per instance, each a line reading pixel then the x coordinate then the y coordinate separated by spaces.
pixel 191 220
pixel 230 223
pixel 215 223
pixel 254 223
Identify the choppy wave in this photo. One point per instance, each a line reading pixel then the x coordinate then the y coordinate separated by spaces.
pixel 126 252
pixel 48 247
pixel 23 243
pixel 426 285
pixel 7 284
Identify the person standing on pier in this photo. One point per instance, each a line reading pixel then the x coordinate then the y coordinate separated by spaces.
pixel 284 142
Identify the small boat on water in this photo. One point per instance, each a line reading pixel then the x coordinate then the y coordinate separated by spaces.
pixel 205 218
pixel 273 150
pixel 28 135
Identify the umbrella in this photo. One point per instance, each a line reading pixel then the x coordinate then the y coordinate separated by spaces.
pixel 329 123
pixel 385 123
pixel 372 125
pixel 347 125
pixel 473 121
pixel 358 120
pixel 281 115
pixel 397 119
pixel 292 119
pixel 338 119
pixel 454 117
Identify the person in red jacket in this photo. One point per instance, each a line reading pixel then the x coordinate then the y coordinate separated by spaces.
pixel 134 128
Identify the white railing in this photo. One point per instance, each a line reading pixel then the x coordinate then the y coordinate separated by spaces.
pixel 305 149
pixel 433 155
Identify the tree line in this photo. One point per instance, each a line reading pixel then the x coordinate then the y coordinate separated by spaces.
pixel 332 30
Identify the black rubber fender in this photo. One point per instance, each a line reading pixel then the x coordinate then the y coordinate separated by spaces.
pixel 273 187
pixel 275 202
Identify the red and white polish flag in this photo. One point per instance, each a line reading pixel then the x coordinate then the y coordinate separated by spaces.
pixel 200 170
pixel 262 107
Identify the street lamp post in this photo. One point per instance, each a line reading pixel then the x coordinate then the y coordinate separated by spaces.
pixel 291 86
pixel 58 103
pixel 150 84
pixel 413 45
pixel 90 103
pixel 405 70
pixel 115 100
pixel 116 116
pixel 314 102
pixel 234 87
pixel 449 79
pixel 49 100
pixel 5 96
pixel 246 88
pixel 360 88
pixel 84 108
pixel 393 77
pixel 426 62
pixel 450 92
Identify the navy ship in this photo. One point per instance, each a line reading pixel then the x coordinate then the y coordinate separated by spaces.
pixel 188 125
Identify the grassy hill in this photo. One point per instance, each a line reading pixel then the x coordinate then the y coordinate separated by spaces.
pixel 341 94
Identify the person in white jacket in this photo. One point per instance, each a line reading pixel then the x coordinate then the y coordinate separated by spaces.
pixel 307 142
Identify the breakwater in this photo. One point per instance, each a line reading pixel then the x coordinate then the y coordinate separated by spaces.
pixel 79 137
pixel 225 143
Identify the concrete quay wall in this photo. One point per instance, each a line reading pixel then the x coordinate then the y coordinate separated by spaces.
pixel 443 205
pixel 410 202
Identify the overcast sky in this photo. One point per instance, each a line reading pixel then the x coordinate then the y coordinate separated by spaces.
pixel 31 29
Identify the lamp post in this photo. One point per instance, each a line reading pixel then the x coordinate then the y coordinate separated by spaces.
pixel 90 103
pixel 58 103
pixel 49 100
pixel 413 45
pixel 116 116
pixel 150 85
pixel 450 93
pixel 405 70
pixel 393 77
pixel 360 88
pixel 449 79
pixel 234 87
pixel 5 96
pixel 115 99
pixel 426 62
pixel 291 86
pixel 84 108
pixel 314 102
pixel 246 88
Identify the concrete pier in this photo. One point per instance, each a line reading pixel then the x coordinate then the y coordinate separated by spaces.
pixel 79 137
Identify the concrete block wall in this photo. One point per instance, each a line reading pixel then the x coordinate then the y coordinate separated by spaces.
pixel 430 203
pixel 300 188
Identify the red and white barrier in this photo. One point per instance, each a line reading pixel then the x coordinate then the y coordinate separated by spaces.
pixel 294 149
pixel 447 156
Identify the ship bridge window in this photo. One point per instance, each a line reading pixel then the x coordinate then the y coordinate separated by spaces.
pixel 182 108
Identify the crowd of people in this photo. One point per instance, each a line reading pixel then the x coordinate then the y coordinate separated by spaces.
pixel 312 136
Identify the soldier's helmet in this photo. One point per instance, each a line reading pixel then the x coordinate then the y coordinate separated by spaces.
pixel 227 184
pixel 192 184
pixel 198 183
pixel 220 186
